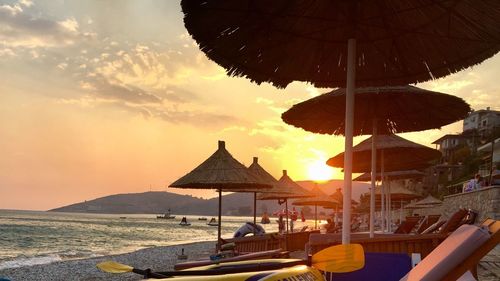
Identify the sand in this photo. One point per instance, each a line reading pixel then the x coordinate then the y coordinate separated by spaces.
pixel 157 258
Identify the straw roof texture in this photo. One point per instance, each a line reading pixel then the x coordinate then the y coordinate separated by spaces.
pixel 413 206
pixel 338 196
pixel 285 188
pixel 398 42
pixel 319 198
pixel 264 177
pixel 429 201
pixel 398 193
pixel 399 154
pixel 394 175
pixel 397 109
pixel 220 171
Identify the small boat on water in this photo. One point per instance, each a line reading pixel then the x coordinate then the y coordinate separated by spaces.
pixel 184 222
pixel 213 222
pixel 202 219
pixel 166 216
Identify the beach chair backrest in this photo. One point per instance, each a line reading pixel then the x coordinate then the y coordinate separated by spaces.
pixel 407 225
pixel 472 260
pixel 449 254
pixel 434 227
pixel 471 217
pixel 429 220
pixel 454 221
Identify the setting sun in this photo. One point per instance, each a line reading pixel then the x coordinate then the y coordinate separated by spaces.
pixel 319 171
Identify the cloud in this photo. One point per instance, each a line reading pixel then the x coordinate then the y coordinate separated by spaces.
pixel 20 29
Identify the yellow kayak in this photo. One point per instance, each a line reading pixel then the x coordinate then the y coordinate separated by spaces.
pixel 295 272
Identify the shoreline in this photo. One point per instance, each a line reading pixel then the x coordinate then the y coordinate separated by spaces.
pixel 161 258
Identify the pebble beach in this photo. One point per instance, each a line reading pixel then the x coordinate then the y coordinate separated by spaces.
pixel 157 258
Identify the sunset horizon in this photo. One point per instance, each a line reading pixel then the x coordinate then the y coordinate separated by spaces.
pixel 93 105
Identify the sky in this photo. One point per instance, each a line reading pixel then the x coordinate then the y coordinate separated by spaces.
pixel 106 97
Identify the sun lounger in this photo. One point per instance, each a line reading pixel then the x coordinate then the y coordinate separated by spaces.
pixel 471 217
pixel 434 227
pixel 455 221
pixel 428 221
pixel 457 254
pixel 446 226
pixel 407 225
pixel 278 253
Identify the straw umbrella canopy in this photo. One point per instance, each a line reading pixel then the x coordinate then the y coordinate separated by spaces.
pixel 222 172
pixel 264 177
pixel 429 201
pixel 397 43
pixel 394 175
pixel 389 153
pixel 399 154
pixel 323 42
pixel 285 189
pixel 318 198
pixel 395 109
pixel 379 110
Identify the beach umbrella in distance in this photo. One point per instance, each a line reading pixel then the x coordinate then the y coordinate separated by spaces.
pixel 396 193
pixel 394 175
pixel 318 198
pixel 264 177
pixel 379 110
pixel 428 201
pixel 323 42
pixel 399 154
pixel 396 153
pixel 285 189
pixel 222 172
pixel 339 197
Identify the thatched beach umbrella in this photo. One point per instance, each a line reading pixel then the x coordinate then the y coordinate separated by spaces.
pixel 386 110
pixel 318 198
pixel 222 172
pixel 323 42
pixel 264 177
pixel 399 154
pixel 396 153
pixel 394 175
pixel 285 189
pixel 379 110
pixel 428 201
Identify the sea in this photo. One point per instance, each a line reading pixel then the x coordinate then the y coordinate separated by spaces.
pixel 36 237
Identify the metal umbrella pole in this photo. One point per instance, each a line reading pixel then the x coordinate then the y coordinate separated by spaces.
pixel 373 178
pixel 349 127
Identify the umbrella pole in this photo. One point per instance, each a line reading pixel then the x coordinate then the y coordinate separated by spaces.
pixel 401 212
pixel 219 225
pixel 315 216
pixel 255 207
pixel 389 209
pixel 349 126
pixel 382 197
pixel 374 178
pixel 286 234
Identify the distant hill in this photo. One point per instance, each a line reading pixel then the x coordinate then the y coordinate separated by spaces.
pixel 330 186
pixel 140 203
pixel 157 202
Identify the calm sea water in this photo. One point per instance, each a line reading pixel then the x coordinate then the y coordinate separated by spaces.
pixel 30 237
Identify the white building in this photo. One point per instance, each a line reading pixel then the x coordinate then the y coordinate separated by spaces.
pixel 484 121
